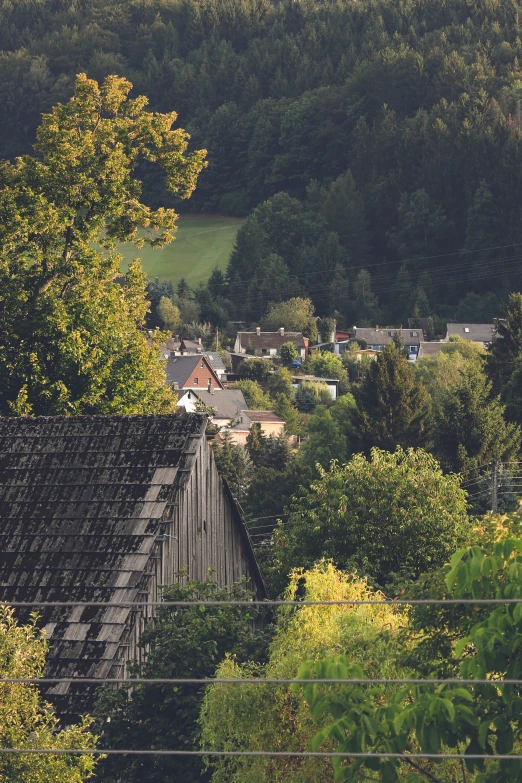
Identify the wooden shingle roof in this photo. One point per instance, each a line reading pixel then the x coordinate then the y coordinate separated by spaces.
pixel 82 501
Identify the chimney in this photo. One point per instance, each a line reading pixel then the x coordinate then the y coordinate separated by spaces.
pixel 258 330
pixel 377 328
pixel 199 341
pixel 282 331
pixel 209 386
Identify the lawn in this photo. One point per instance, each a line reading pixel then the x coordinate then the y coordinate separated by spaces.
pixel 202 243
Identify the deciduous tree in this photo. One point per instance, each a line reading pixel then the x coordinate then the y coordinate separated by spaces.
pixel 71 340
pixel 28 722
pixel 390 514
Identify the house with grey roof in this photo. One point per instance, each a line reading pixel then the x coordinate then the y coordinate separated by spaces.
pixel 377 338
pixel 475 333
pixel 227 404
pixel 100 512
pixel 260 343
pixel 217 364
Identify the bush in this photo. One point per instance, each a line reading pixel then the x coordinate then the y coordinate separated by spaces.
pixel 255 369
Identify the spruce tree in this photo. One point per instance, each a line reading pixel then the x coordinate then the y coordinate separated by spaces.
pixel 471 429
pixel 393 408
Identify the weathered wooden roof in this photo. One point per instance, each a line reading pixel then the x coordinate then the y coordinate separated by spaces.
pixel 81 505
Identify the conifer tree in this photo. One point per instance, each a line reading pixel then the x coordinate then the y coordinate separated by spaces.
pixel 393 408
pixel 506 348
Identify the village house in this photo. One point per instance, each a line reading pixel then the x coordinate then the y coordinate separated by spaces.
pixel 271 424
pixel 106 510
pixel 227 404
pixel 191 372
pixel 377 338
pixel 260 343
pixel 475 333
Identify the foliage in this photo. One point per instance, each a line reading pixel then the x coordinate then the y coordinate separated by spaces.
pixel 268 717
pixel 473 719
pixel 442 374
pixel 326 329
pixel 327 365
pixel 234 464
pixel 255 443
pixel 393 406
pixel 471 429
pixel 506 349
pixel 324 442
pixel 295 315
pixel 288 412
pixel 70 339
pixel 309 394
pixel 28 722
pixel 390 514
pixel 361 138
pixel 280 382
pixel 183 642
pixel 256 399
pixel 288 353
pixel 169 314
pixel 255 369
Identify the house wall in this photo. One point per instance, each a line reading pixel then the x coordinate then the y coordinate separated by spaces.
pixel 200 377
pixel 272 428
pixel 202 529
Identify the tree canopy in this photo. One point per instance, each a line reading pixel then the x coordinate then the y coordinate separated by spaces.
pixel 390 514
pixel 26 721
pixel 71 339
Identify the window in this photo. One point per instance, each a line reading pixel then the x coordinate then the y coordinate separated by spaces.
pixel 263 351
pixel 466 329
pixel 202 365
pixel 196 381
pixel 414 334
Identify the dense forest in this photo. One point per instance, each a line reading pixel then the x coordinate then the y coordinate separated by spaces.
pixel 395 129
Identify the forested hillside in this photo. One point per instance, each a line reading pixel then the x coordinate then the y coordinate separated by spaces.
pixel 418 99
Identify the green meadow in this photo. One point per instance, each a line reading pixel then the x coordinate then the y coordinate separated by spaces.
pixel 202 242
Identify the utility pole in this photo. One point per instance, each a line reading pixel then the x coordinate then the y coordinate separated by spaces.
pixel 217 338
pixel 494 487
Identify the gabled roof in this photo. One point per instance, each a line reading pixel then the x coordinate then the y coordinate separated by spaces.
pixel 191 345
pixel 172 344
pixel 270 339
pixel 82 501
pixel 227 403
pixel 385 336
pixel 263 416
pixel 477 333
pixel 180 368
pixel 430 349
pixel 216 361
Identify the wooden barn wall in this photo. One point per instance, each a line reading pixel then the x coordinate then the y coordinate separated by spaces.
pixel 202 529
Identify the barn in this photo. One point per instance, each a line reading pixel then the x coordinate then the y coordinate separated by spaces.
pixel 107 509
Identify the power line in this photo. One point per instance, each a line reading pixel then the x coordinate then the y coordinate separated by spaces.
pixel 403 261
pixel 266 603
pixel 247 681
pixel 262 753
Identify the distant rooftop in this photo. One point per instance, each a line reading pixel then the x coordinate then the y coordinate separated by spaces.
pixel 477 333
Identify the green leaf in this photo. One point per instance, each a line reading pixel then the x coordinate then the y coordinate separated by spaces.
pixel 450 708
pixel 461 646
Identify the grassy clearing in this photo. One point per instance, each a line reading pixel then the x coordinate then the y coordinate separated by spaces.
pixel 202 243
